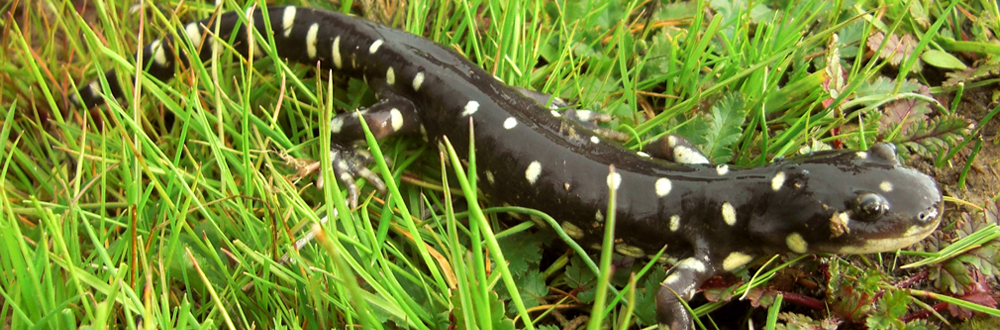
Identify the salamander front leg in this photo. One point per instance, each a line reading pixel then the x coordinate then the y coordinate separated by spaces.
pixel 391 115
pixel 674 148
pixel 681 283
pixel 670 147
pixel 586 118
pixel 543 99
pixel 385 118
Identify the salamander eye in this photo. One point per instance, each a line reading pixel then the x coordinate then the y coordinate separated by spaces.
pixel 886 152
pixel 870 206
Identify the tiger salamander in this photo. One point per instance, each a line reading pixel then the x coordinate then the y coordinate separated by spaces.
pixel 709 218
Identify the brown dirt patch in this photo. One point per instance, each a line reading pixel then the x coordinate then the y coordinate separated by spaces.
pixel 983 180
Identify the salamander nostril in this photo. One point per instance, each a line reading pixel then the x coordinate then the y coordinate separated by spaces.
pixel 928 215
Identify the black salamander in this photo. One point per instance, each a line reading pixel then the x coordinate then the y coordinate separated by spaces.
pixel 709 218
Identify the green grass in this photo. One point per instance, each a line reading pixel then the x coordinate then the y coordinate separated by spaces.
pixel 184 211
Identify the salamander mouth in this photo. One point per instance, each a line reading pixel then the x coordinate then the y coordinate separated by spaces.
pixel 924 225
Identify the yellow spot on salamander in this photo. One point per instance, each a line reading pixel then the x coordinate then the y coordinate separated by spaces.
pixel 375 46
pixel 287 20
pixel 533 172
pixel 418 80
pixel 663 187
pixel 311 40
pixel 337 60
pixel 193 32
pixel 675 222
pixel 796 243
pixel 629 250
pixel 778 181
pixel 470 108
pixel 572 230
pixel 728 214
pixel 735 260
pixel 390 76
pixel 614 180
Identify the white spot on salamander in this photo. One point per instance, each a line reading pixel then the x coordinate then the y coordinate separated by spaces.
pixel 470 108
pixel 337 60
pixel 643 154
pixel 685 155
pixel 95 89
pixel 193 32
pixel 595 140
pixel 663 187
pixel 287 20
pixel 159 56
pixel 728 213
pixel 396 119
pixel 375 46
pixel 735 260
pixel 614 180
pixel 885 186
pixel 556 114
pixel 534 170
pixel 509 123
pixel 722 169
pixel 336 124
pixel 675 222
pixel 390 76
pixel 778 181
pixel 216 45
pixel 257 51
pixel 862 155
pixel 418 80
pixel 311 40
pixel 796 243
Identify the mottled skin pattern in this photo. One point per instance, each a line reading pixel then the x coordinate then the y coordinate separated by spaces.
pixel 709 218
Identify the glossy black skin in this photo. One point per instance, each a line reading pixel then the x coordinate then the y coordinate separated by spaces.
pixel 573 182
pixel 764 217
pixel 836 180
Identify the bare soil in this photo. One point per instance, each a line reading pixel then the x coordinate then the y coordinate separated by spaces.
pixel 983 181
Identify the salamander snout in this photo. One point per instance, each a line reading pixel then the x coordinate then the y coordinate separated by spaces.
pixel 854 202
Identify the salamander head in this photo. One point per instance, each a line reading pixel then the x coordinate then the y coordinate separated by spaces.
pixel 848 202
